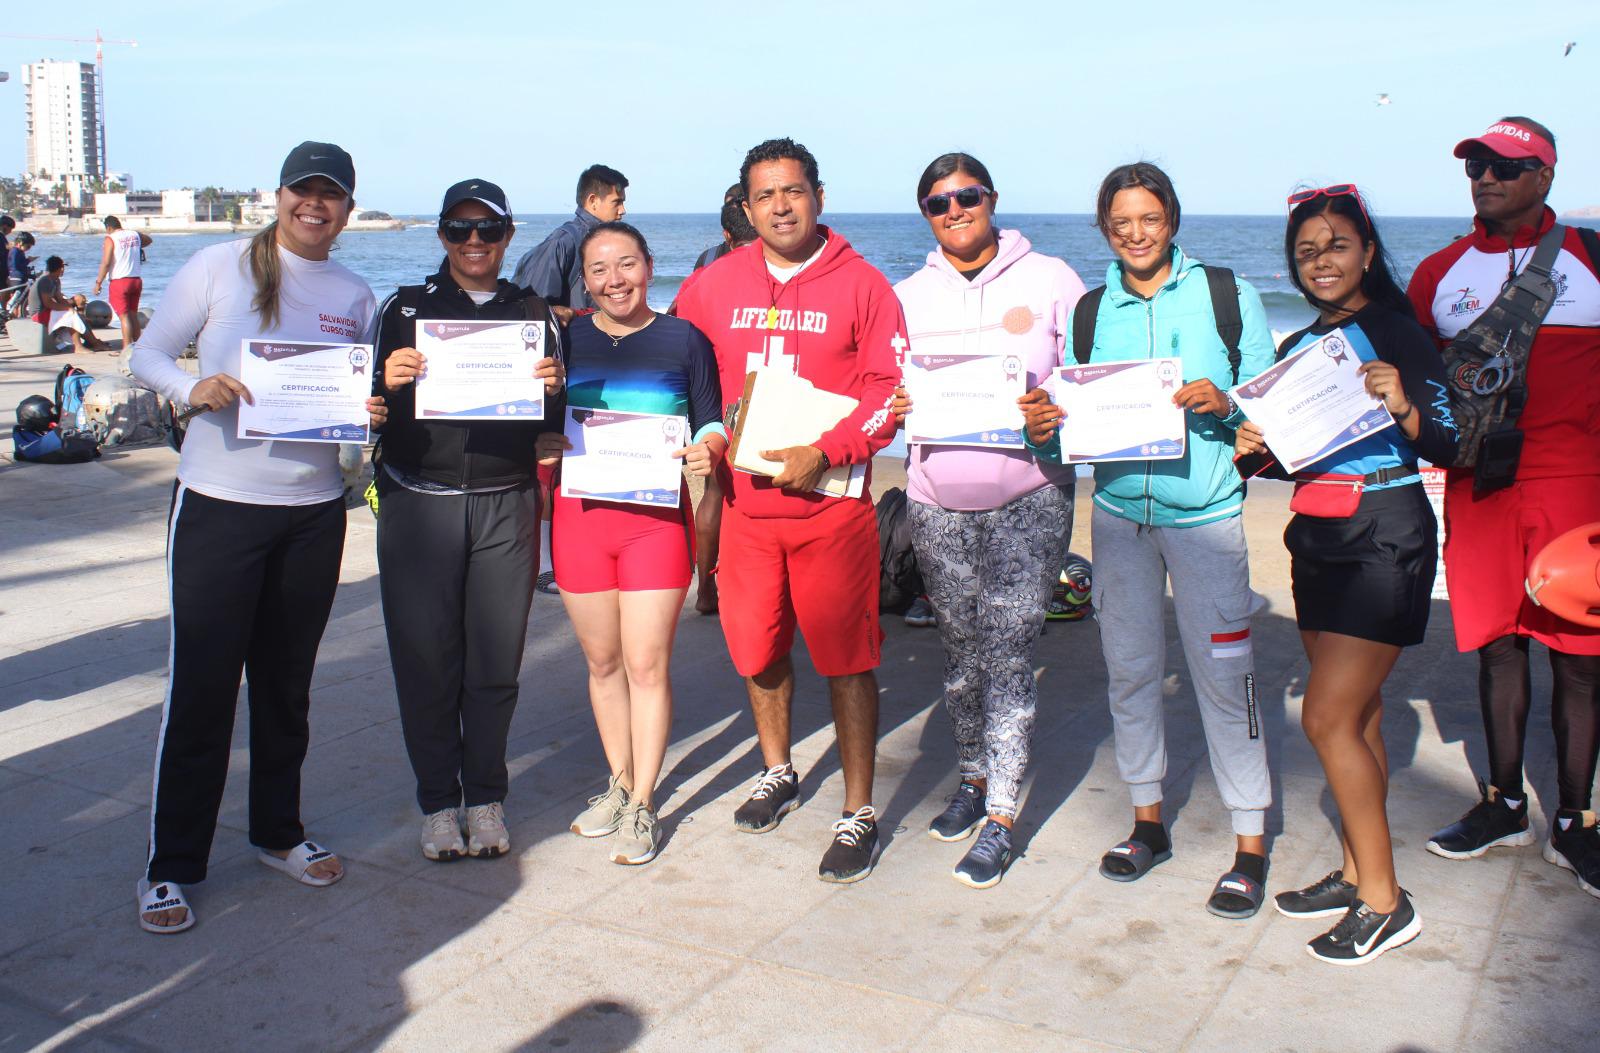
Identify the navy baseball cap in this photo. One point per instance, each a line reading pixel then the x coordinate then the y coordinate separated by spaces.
pixel 480 190
pixel 319 159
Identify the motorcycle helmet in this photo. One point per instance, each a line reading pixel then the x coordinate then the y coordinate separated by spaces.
pixel 36 413
pixel 1070 600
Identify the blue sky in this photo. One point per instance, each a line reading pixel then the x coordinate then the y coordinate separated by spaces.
pixel 1241 102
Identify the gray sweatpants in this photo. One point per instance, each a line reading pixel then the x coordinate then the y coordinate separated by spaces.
pixel 1210 574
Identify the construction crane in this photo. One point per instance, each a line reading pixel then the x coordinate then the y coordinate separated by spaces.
pixel 99 43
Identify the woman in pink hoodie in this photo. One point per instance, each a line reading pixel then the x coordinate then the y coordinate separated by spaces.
pixel 990 524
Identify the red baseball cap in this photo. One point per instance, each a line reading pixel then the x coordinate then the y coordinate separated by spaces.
pixel 1511 140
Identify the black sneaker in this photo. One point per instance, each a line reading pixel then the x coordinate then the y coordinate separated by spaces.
pixel 1489 824
pixel 1321 899
pixel 775 794
pixel 965 814
pixel 854 850
pixel 1363 934
pixel 986 861
pixel 1575 845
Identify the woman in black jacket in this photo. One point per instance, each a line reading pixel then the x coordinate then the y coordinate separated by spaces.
pixel 458 538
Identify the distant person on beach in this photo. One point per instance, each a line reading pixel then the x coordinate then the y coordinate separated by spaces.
pixel 1177 520
pixel 1491 535
pixel 737 233
pixel 741 233
pixel 1363 546
pixel 989 525
pixel 121 257
pixel 552 268
pixel 624 568
pixel 803 301
pixel 255 537
pixel 458 539
pixel 61 315
pixel 20 265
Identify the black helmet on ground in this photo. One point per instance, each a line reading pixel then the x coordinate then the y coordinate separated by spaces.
pixel 36 413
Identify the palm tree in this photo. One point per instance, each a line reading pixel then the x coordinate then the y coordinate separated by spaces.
pixel 210 195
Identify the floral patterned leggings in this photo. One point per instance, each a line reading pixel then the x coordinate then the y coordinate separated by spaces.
pixel 989 576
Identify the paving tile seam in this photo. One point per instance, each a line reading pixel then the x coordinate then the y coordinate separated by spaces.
pixel 915 1043
pixel 1482 971
pixel 74 1030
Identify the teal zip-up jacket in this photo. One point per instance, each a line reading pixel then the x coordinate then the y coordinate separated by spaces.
pixel 1202 486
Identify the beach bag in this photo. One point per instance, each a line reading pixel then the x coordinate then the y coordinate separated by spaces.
pixel 53 446
pixel 1224 290
pixel 900 582
pixel 1485 366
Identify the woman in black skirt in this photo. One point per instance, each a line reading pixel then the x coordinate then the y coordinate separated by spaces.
pixel 1363 545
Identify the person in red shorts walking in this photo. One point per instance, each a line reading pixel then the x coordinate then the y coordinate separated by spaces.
pixel 120 257
pixel 801 299
pixel 1490 538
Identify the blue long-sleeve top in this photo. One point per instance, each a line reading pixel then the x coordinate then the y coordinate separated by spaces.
pixel 666 367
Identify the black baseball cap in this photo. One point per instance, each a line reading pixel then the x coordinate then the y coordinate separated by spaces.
pixel 319 159
pixel 476 190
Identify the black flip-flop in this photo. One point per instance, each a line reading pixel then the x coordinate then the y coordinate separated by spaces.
pixel 1136 854
pixel 1233 888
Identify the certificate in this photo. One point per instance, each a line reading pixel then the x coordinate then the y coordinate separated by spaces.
pixel 480 370
pixel 965 400
pixel 623 457
pixel 1313 403
pixel 1121 411
pixel 304 392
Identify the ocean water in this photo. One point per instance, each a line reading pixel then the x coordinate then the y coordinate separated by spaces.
pixel 896 244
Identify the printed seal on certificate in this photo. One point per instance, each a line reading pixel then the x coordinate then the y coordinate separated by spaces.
pixel 359 357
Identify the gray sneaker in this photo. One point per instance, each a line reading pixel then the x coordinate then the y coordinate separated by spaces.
pixel 486 831
pixel 441 836
pixel 639 838
pixel 604 814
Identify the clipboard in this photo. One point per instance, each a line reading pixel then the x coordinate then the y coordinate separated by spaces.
pixel 779 410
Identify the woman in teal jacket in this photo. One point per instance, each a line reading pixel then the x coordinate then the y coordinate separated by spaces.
pixel 1178 519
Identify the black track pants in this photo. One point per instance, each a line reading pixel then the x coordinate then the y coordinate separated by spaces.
pixel 456 573
pixel 251 587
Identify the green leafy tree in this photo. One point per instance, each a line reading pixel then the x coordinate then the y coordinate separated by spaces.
pixel 210 195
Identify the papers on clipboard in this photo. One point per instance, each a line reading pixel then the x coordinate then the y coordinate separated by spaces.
pixel 782 410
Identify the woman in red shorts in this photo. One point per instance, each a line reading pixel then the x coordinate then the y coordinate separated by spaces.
pixel 624 561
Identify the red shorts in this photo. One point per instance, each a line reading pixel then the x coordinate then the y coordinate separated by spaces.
pixel 598 546
pixel 819 572
pixel 1489 542
pixel 124 296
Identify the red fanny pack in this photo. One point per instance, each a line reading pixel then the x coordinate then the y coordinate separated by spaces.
pixel 1327 496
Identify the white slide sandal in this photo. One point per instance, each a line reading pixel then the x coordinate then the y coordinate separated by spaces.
pixel 163 895
pixel 298 863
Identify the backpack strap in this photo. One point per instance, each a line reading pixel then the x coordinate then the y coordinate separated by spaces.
pixel 1591 245
pixel 1084 315
pixel 1225 308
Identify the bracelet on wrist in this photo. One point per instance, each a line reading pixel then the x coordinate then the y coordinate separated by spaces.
pixel 1401 418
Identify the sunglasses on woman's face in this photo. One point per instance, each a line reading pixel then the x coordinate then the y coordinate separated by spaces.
pixel 966 197
pixel 458 231
pixel 1504 171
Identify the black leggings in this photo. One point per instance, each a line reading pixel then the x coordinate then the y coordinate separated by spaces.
pixel 1505 693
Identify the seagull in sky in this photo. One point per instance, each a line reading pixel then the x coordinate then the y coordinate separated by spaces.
pixel 1568 49
pixel 1383 99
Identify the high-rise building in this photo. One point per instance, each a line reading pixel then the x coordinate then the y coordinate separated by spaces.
pixel 64 112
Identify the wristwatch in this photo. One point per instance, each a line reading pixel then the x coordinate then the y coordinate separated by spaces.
pixel 826 464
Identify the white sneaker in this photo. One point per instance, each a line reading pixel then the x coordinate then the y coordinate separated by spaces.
pixel 486 831
pixel 441 836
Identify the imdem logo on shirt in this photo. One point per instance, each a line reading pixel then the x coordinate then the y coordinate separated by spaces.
pixel 1466 302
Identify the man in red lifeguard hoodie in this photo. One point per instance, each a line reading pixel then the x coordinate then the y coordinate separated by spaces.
pixel 801 299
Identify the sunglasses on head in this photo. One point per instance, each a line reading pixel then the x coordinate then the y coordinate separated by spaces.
pixel 966 197
pixel 457 231
pixel 1300 197
pixel 1505 171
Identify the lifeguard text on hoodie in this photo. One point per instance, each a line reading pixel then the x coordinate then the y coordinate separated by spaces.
pixel 837 323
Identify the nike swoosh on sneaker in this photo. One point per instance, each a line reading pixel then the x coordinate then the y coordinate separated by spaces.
pixel 1363 948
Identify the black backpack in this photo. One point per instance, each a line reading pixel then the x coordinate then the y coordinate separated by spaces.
pixel 1224 307
pixel 900 582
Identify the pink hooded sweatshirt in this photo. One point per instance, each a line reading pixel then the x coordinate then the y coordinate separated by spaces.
pixel 1019 305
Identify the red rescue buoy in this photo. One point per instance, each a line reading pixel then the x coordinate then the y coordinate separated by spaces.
pixel 1564 578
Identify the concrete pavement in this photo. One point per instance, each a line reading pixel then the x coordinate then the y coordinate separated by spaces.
pixel 727 941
